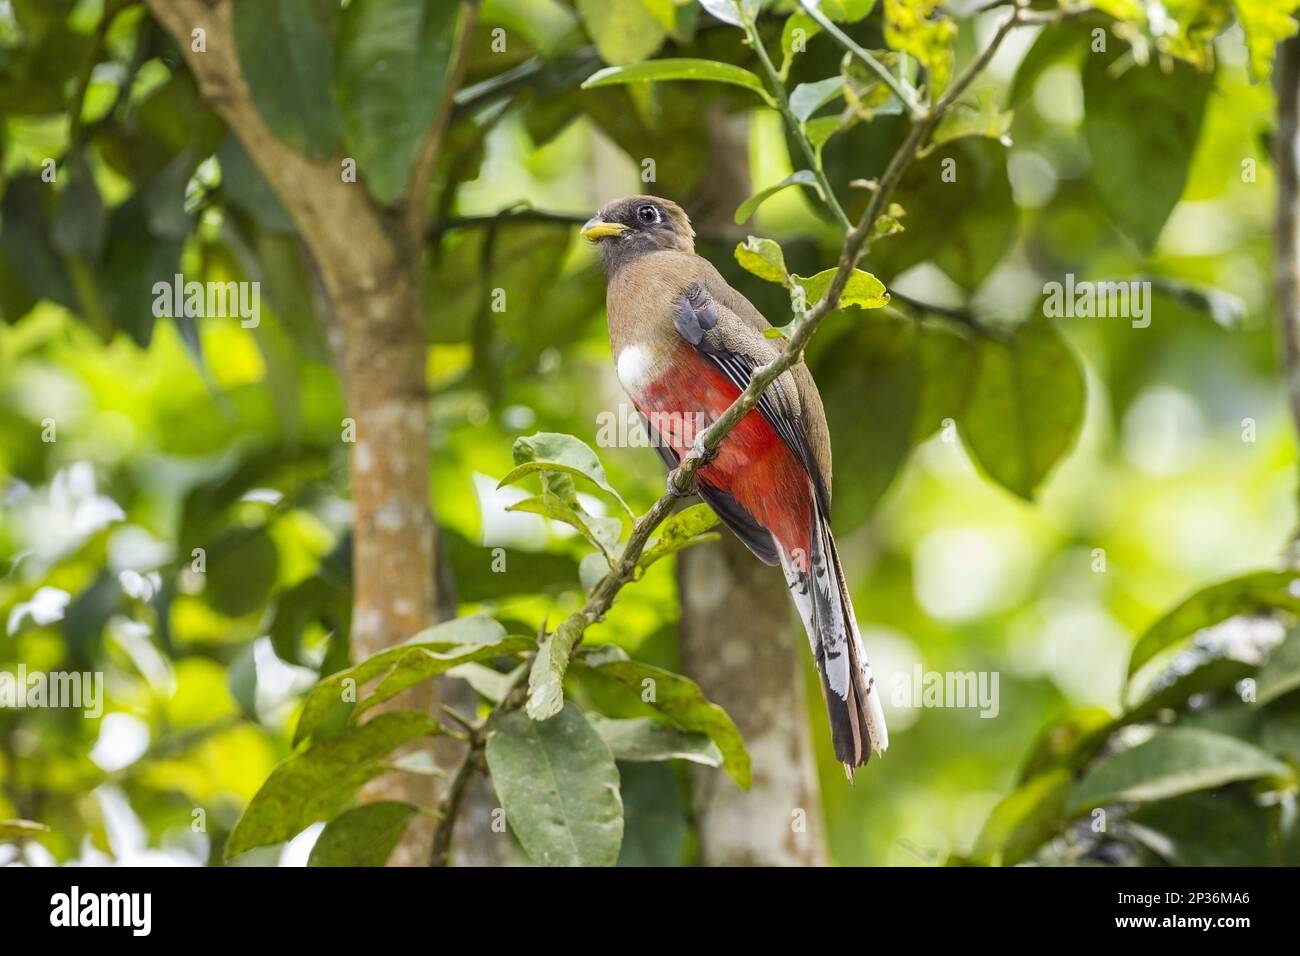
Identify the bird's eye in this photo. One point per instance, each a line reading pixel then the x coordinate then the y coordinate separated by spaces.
pixel 647 214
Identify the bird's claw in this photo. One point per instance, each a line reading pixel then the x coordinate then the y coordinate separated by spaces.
pixel 706 455
pixel 677 492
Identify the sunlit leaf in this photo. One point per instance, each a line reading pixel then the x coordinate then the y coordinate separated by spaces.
pixel 1247 594
pixel 686 528
pixel 316 783
pixel 763 257
pixel 745 210
pixel 659 71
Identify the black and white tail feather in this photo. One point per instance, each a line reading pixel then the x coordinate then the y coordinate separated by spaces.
pixel 816 582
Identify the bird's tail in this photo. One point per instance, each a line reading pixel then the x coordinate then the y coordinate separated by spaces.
pixel 817 584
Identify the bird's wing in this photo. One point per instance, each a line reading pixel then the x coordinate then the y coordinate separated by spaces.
pixel 708 317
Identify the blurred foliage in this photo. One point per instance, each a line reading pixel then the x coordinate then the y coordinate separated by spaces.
pixel 1087 509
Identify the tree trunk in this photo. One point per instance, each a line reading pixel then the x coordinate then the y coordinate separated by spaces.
pixel 367 259
pixel 740 641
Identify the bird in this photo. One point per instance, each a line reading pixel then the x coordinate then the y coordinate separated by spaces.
pixel 685 345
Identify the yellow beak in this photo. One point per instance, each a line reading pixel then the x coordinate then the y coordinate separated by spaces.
pixel 597 228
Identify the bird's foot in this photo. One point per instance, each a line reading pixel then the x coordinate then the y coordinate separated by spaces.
pixel 706 455
pixel 677 492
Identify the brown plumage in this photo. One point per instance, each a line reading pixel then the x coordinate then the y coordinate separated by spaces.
pixel 685 344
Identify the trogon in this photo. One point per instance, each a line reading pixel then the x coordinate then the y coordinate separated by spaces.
pixel 685 344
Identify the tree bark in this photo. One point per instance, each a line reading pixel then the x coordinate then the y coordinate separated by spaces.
pixel 367 259
pixel 738 639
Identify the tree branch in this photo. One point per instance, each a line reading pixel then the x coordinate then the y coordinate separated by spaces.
pixel 426 160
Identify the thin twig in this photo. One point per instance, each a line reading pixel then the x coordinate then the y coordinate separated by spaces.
pixel 417 186
pixel 875 66
pixel 449 806
pixel 796 128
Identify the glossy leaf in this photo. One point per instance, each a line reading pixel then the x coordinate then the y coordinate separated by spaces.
pixel 660 71
pixel 1175 761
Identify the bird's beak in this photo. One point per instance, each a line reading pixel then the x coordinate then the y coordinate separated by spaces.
pixel 597 228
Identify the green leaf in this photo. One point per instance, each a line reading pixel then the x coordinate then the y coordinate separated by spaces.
pixel 847 11
pixel 1203 829
pixel 656 816
pixel 807 98
pixel 1266 24
pixel 681 701
pixel 1023 820
pixel 242 568
pixel 686 528
pixel 601 532
pixel 919 27
pixel 624 31
pixel 947 361
pixel 862 291
pixel 559 787
pixel 420 664
pixel 796 21
pixel 394 58
pixel 486 681
pixel 960 213
pixel 80 224
pixel 286 55
pixel 1175 761
pixel 1026 407
pixel 643 739
pixel 552 451
pixel 546 679
pixel 869 376
pixel 1247 594
pixel 471 634
pixel 1281 672
pixel 745 210
pixel 21 829
pixel 316 783
pixel 659 71
pixel 764 258
pixel 866 95
pixel 984 118
pixel 1215 676
pixel 1171 107
pixel 362 836
pixel 591 570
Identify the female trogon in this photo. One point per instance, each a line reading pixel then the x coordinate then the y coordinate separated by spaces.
pixel 685 344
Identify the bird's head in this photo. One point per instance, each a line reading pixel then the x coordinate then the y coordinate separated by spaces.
pixel 630 227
